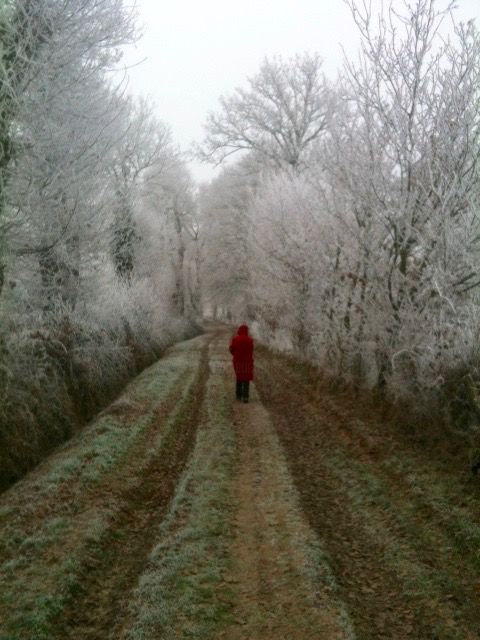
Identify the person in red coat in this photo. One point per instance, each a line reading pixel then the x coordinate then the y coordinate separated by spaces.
pixel 241 348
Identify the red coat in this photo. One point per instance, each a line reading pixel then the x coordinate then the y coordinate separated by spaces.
pixel 241 348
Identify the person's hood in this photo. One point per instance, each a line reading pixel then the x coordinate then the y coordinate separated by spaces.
pixel 243 330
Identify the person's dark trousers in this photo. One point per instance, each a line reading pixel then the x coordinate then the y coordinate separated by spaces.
pixel 242 390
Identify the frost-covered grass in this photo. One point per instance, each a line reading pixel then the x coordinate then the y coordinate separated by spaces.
pixel 54 519
pixel 315 564
pixel 189 588
pixel 430 544
pixel 182 594
pixel 405 485
pixel 58 372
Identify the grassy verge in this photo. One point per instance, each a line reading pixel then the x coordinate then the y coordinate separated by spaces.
pixel 54 521
pixel 436 567
pixel 182 593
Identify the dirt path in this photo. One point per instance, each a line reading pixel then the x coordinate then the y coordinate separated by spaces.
pixel 180 513
pixel 77 531
pixel 119 558
pixel 383 513
pixel 278 594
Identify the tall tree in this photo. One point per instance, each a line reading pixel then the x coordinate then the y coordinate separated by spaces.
pixel 226 252
pixel 145 146
pixel 279 117
pixel 169 191
pixel 67 121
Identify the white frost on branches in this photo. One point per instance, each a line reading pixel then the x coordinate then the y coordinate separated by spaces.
pixel 367 258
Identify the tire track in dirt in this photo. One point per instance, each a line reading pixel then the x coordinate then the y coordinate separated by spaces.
pixel 415 506
pixel 377 600
pixel 117 560
pixel 411 518
pixel 67 498
pixel 278 590
pixel 180 594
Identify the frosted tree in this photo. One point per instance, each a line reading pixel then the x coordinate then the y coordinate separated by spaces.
pixel 366 254
pixel 145 145
pixel 19 43
pixel 279 117
pixel 65 119
pixel 226 251
pixel 77 146
pixel 169 196
pixel 414 130
pixel 286 234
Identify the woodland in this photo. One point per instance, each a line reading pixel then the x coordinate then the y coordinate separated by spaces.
pixel 343 225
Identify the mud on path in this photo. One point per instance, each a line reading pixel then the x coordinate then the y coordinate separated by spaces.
pixel 120 556
pixel 180 513
pixel 401 532
pixel 76 533
pixel 275 576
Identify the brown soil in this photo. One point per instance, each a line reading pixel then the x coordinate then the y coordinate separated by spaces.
pixel 274 597
pixel 305 458
pixel 142 497
pixel 314 427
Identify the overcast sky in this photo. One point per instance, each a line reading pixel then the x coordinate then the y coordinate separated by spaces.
pixel 195 50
